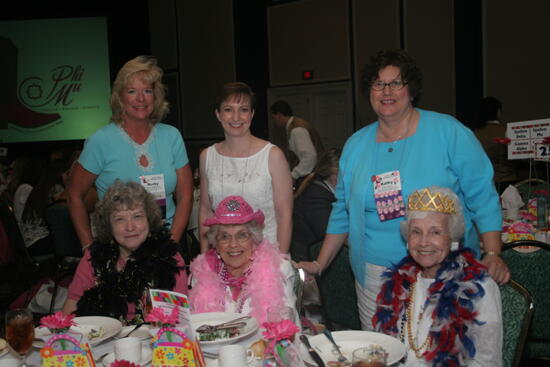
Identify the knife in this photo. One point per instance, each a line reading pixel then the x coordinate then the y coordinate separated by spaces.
pixel 312 352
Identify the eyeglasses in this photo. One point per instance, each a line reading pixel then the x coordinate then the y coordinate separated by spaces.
pixel 394 85
pixel 240 237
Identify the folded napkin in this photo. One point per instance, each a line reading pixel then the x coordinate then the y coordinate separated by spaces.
pixel 511 199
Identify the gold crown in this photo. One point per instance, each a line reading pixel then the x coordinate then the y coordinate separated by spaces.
pixel 423 200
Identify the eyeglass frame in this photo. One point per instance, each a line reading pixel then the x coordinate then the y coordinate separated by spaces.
pixel 389 84
pixel 234 237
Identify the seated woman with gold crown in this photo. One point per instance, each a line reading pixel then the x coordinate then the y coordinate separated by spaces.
pixel 439 299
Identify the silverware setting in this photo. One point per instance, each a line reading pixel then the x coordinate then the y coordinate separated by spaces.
pixel 226 325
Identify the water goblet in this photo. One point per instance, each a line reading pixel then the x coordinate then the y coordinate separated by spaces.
pixel 20 332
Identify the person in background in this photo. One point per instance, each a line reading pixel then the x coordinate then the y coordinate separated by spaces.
pixel 439 300
pixel 383 163
pixel 243 272
pixel 133 253
pixel 304 143
pixel 489 130
pixel 246 166
pixel 312 205
pixel 32 222
pixel 135 146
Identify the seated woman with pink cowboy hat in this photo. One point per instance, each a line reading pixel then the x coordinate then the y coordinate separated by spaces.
pixel 242 272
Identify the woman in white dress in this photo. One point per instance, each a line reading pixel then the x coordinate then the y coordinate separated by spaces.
pixel 440 300
pixel 246 166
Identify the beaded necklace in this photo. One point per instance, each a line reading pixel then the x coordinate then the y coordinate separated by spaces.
pixel 418 350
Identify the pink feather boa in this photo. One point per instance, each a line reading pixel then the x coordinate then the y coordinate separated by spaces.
pixel 264 286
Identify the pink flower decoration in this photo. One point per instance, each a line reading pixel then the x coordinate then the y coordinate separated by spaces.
pixel 281 330
pixel 58 322
pixel 158 315
pixel 124 363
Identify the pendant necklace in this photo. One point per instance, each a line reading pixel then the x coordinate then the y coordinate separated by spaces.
pixel 242 179
pixel 404 134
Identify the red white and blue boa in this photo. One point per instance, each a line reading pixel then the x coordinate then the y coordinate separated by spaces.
pixel 452 297
pixel 264 284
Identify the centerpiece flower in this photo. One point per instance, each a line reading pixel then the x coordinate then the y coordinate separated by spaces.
pixel 58 322
pixel 279 335
pixel 123 363
pixel 166 320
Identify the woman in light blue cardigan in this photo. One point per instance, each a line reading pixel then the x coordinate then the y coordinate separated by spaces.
pixel 426 148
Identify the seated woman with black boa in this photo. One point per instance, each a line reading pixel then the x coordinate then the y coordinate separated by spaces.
pixel 132 253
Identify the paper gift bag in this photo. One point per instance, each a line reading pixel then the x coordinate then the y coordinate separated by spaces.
pixel 172 348
pixel 63 350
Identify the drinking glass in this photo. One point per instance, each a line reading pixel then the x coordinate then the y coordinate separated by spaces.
pixel 275 314
pixel 368 357
pixel 20 332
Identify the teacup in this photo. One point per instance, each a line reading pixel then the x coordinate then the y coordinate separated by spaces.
pixel 128 349
pixel 234 355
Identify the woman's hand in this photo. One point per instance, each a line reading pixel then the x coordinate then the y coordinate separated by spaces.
pixel 497 268
pixel 492 244
pixel 311 267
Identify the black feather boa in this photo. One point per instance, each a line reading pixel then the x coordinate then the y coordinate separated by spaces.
pixel 152 265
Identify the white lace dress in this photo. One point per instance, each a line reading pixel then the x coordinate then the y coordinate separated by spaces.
pixel 248 177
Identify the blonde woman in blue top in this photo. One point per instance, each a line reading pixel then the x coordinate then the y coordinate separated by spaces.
pixel 135 146
pixel 406 149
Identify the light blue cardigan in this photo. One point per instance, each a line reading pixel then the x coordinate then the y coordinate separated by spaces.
pixel 442 152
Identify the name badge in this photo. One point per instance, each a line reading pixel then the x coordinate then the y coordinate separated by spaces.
pixel 388 196
pixel 154 184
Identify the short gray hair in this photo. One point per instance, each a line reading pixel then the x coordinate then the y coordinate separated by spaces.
pixel 456 221
pixel 254 227
pixel 121 195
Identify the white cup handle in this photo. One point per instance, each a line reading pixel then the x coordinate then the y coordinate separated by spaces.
pixel 249 356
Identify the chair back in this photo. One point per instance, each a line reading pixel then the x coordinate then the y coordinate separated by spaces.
pixel 530 270
pixel 517 311
pixel 528 187
pixel 61 228
pixel 337 291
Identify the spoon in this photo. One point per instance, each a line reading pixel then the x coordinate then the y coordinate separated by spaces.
pixel 341 357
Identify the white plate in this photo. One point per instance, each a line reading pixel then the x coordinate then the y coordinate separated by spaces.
pixel 349 341
pixel 146 357
pixel 110 326
pixel 141 333
pixel 213 318
pixel 5 349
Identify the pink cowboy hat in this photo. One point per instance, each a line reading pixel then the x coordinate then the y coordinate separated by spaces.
pixel 234 210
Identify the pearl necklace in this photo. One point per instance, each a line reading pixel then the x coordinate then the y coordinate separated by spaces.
pixel 418 350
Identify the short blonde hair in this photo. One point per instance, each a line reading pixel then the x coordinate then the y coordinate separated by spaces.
pixel 145 68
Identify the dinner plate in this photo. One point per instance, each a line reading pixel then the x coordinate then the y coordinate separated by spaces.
pixel 3 346
pixel 146 357
pixel 350 340
pixel 110 327
pixel 214 318
pixel 141 333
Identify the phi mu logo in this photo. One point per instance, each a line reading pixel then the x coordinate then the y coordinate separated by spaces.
pixel 64 81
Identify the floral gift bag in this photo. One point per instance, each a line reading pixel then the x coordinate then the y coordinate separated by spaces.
pixel 172 348
pixel 63 350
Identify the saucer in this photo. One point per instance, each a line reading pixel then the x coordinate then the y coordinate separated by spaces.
pixel 146 357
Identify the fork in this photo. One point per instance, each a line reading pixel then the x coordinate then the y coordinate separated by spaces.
pixel 225 325
pixel 341 357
